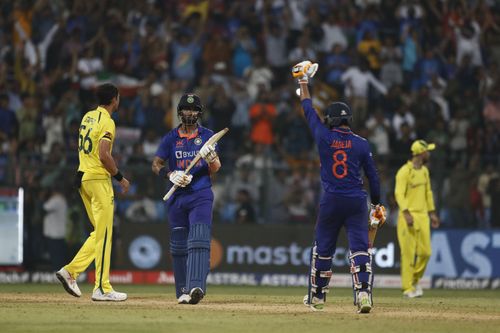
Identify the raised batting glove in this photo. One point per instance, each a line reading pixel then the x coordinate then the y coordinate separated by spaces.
pixel 208 153
pixel 179 178
pixel 304 70
pixel 377 216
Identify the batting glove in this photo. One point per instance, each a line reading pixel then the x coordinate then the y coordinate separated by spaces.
pixel 377 216
pixel 304 70
pixel 208 153
pixel 179 178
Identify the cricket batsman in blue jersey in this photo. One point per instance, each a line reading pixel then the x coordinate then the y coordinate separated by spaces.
pixel 343 203
pixel 190 207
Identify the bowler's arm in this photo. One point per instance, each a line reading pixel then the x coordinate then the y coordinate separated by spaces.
pixel 109 164
pixel 105 157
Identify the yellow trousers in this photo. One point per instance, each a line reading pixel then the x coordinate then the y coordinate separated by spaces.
pixel 415 245
pixel 98 198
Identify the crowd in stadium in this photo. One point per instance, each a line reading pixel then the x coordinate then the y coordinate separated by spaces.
pixel 409 69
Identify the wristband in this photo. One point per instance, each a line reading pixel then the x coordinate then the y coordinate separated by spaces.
pixel 163 172
pixel 118 176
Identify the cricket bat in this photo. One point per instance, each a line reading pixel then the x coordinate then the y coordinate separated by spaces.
pixel 372 233
pixel 212 141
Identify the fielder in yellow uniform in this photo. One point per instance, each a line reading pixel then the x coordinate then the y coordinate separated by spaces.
pixel 416 213
pixel 96 136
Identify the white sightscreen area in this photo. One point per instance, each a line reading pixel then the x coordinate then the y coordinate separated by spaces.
pixel 11 226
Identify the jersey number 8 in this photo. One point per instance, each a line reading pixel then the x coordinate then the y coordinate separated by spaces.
pixel 339 163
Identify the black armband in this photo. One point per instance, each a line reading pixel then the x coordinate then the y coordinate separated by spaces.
pixel 118 176
pixel 163 172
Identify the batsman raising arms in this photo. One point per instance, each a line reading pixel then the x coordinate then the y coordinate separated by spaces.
pixel 190 207
pixel 343 202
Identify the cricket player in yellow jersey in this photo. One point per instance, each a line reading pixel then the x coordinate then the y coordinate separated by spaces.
pixel 416 214
pixel 96 137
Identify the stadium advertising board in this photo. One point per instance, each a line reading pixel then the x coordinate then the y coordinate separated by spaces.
pixel 463 259
pixel 283 249
pixel 255 249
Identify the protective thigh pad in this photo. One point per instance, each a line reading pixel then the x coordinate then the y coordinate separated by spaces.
pixel 361 271
pixel 178 242
pixel 179 251
pixel 320 275
pixel 198 262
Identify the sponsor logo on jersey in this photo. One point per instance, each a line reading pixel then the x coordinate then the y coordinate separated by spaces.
pixel 179 154
pixel 89 120
pixel 179 143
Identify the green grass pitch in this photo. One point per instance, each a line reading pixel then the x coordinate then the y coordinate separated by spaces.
pixel 47 308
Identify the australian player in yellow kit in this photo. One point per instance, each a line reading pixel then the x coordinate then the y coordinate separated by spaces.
pixel 416 214
pixel 96 137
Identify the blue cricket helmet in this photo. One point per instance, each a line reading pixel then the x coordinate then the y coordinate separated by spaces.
pixel 336 114
pixel 189 102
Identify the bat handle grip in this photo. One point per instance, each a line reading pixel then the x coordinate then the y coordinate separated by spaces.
pixel 170 192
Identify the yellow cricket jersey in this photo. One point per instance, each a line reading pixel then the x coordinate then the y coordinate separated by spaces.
pixel 96 125
pixel 413 189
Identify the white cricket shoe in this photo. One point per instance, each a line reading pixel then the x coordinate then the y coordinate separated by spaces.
pixel 419 292
pixel 364 302
pixel 184 299
pixel 112 296
pixel 68 282
pixel 410 294
pixel 316 304
pixel 196 295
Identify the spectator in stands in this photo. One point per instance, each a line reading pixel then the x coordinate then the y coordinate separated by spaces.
pixel 262 115
pixel 402 116
pixel 456 194
pixel 55 227
pixel 245 212
pixel 243 47
pixel 336 62
pixel 293 135
pixel 275 33
pixel 28 118
pixel 494 192
pixel 491 110
pixel 401 145
pixel 333 33
pixel 458 134
pixel 483 187
pixel 258 77
pixel 369 47
pixel 468 42
pixel 8 122
pixel 357 80
pixel 390 56
pixel 379 129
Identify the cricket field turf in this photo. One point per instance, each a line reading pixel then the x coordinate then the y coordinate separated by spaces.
pixel 47 308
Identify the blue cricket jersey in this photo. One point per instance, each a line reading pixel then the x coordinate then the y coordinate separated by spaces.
pixel 179 150
pixel 342 155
